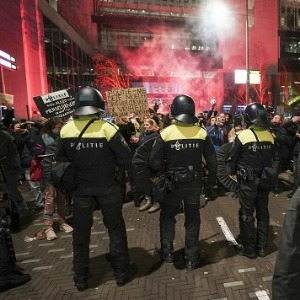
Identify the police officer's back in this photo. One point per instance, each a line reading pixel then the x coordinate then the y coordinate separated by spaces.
pixel 249 157
pixel 95 158
pixel 178 152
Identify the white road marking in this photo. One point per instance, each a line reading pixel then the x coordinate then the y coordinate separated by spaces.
pixel 56 250
pixel 27 261
pixel 226 231
pixel 66 256
pixel 247 270
pixel 262 295
pixel 267 278
pixel 22 254
pixel 233 283
pixel 42 268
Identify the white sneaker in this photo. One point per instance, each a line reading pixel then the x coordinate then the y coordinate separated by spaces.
pixel 66 227
pixel 155 207
pixel 146 206
pixel 50 234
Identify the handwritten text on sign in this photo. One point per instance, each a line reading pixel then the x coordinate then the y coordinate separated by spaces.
pixel 121 103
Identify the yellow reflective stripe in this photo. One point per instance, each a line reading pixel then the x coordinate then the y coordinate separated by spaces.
pixel 247 136
pixel 178 132
pixel 98 129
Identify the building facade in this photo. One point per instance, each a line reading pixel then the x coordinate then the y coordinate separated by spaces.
pixel 50 54
pixel 167 46
pixel 183 46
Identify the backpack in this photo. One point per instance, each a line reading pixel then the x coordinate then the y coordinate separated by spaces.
pixel 36 169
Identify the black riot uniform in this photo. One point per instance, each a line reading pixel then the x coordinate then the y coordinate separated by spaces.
pixel 178 153
pixel 286 277
pixel 10 274
pixel 96 157
pixel 249 157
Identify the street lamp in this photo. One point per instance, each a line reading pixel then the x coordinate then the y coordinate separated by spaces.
pixel 220 12
pixel 247 54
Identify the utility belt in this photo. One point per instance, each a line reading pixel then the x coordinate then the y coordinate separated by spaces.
pixel 246 174
pixel 183 175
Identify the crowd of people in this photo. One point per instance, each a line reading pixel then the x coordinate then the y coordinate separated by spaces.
pixel 149 161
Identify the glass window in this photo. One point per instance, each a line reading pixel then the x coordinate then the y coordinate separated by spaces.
pixel 67 65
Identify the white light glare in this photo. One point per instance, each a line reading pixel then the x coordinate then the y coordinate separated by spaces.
pixel 219 11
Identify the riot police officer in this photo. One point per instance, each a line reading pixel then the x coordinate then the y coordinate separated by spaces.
pixel 249 157
pixel 178 153
pixel 96 157
pixel 10 273
pixel 286 277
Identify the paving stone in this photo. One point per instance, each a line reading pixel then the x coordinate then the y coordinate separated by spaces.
pixel 223 275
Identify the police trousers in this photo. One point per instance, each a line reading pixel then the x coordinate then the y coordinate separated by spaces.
pixel 251 199
pixel 11 187
pixel 188 196
pixel 110 203
pixel 286 275
pixel 7 252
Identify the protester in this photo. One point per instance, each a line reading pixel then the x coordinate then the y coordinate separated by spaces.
pixel 25 137
pixel 237 127
pixel 292 128
pixel 215 132
pixel 281 151
pixel 151 131
pixel 48 144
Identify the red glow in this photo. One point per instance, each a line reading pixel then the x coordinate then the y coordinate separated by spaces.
pixel 156 61
pixel 109 77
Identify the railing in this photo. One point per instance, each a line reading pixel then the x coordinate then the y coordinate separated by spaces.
pixel 145 9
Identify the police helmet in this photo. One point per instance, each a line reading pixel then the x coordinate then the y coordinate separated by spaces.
pixel 256 114
pixel 88 101
pixel 183 109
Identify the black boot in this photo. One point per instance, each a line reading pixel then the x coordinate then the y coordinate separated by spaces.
pixel 124 270
pixel 247 233
pixel 81 283
pixel 192 262
pixel 251 254
pixel 81 270
pixel 163 256
pixel 12 280
pixel 9 276
pixel 262 238
pixel 165 253
pixel 9 243
pixel 126 275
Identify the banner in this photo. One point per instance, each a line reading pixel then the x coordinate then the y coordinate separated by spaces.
pixel 57 104
pixel 123 102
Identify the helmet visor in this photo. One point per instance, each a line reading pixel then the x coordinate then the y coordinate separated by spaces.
pixel 186 118
pixel 86 110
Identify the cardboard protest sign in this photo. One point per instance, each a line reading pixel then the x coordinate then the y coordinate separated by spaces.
pixel 123 102
pixel 6 99
pixel 57 104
